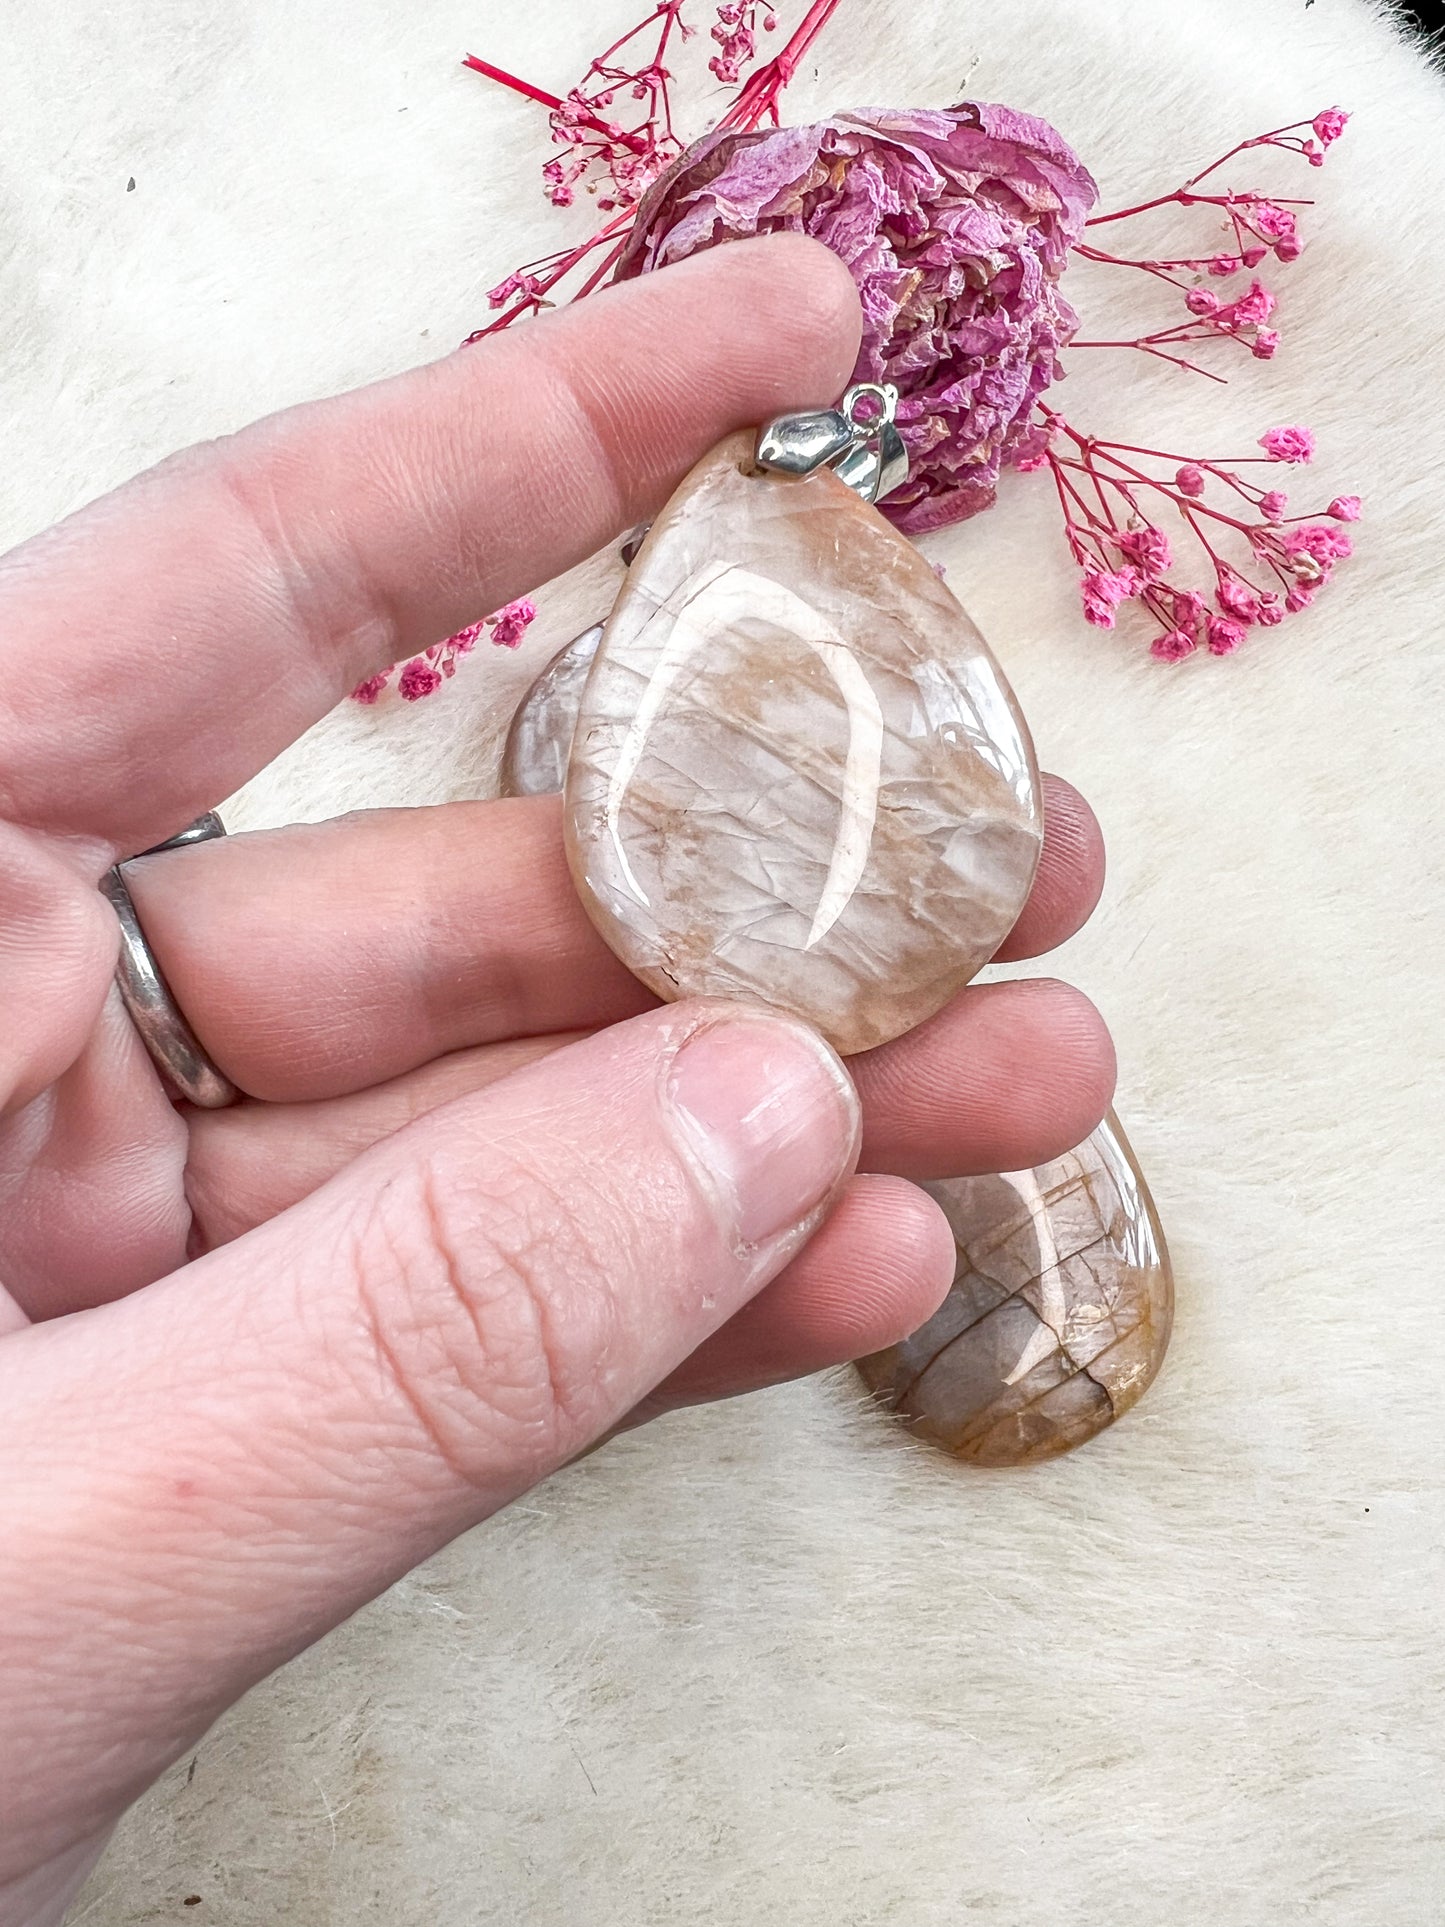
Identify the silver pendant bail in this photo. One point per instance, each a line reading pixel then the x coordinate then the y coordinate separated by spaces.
pixel 858 440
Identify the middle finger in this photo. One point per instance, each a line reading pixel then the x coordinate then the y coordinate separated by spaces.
pixel 324 958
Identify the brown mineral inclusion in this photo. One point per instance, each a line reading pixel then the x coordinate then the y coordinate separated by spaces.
pixel 1058 1318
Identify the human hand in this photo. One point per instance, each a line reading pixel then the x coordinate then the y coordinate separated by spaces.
pixel 484 1201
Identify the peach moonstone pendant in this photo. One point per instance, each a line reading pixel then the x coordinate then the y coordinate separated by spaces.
pixel 1058 1318
pixel 798 775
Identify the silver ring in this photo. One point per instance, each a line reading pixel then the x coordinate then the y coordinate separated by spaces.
pixel 174 1048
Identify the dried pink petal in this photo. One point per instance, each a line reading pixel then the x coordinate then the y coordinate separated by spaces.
pixel 957 225
pixel 1345 508
pixel 1190 480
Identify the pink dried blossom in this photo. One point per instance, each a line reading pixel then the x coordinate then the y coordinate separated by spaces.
pixel 417 679
pixel 1288 248
pixel 1237 598
pixel 1272 505
pixel 1223 264
pixel 1148 548
pixel 1102 486
pixel 1265 344
pixel 1255 306
pixel 1329 125
pixel 1345 508
pixel 1222 635
pixel 1274 222
pixel 509 624
pixel 465 640
pixel 1173 646
pixel 1102 590
pixel 1288 444
pixel 1321 543
pixel 368 691
pixel 957 226
pixel 1201 301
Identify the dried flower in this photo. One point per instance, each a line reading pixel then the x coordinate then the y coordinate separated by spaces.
pixel 1102 591
pixel 1329 125
pixel 424 674
pixel 1173 646
pixel 417 679
pixel 957 227
pixel 1222 635
pixel 509 625
pixel 1288 444
pixel 1261 570
pixel 1345 508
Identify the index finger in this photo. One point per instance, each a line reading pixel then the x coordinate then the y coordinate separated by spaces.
pixel 192 624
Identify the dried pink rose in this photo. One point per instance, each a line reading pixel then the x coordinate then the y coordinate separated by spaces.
pixel 957 226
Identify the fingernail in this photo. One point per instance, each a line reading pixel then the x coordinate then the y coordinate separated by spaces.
pixel 771 1115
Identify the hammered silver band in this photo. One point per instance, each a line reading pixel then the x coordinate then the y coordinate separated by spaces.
pixel 174 1048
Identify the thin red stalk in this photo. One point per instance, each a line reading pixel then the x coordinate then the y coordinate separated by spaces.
pixel 1144 348
pixel 1259 140
pixel 763 85
pixel 544 99
pixel 605 266
pixel 539 94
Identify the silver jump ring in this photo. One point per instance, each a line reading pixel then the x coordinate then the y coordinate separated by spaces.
pixel 173 1045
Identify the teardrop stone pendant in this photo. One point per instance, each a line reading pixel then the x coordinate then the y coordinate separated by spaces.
pixel 1058 1318
pixel 798 775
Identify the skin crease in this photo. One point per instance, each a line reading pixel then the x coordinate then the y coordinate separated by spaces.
pixel 418 1285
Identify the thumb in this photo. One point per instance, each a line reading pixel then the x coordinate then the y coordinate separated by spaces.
pixel 209 1474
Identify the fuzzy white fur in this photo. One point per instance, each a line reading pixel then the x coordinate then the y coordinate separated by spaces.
pixel 772 1662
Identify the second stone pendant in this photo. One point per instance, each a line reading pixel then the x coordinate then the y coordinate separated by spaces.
pixel 798 775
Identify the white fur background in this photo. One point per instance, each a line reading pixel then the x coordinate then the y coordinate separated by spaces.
pixel 772 1662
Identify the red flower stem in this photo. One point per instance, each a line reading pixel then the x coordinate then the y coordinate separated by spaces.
pixel 1181 197
pixel 539 94
pixel 605 266
pixel 544 99
pixel 763 85
pixel 1259 140
pixel 1214 463
pixel 1145 349
pixel 1145 266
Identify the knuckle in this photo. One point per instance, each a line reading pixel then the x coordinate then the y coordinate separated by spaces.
pixel 493 1324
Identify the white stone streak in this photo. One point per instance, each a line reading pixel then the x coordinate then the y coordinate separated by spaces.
pixel 1048 1336
pixel 714 601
